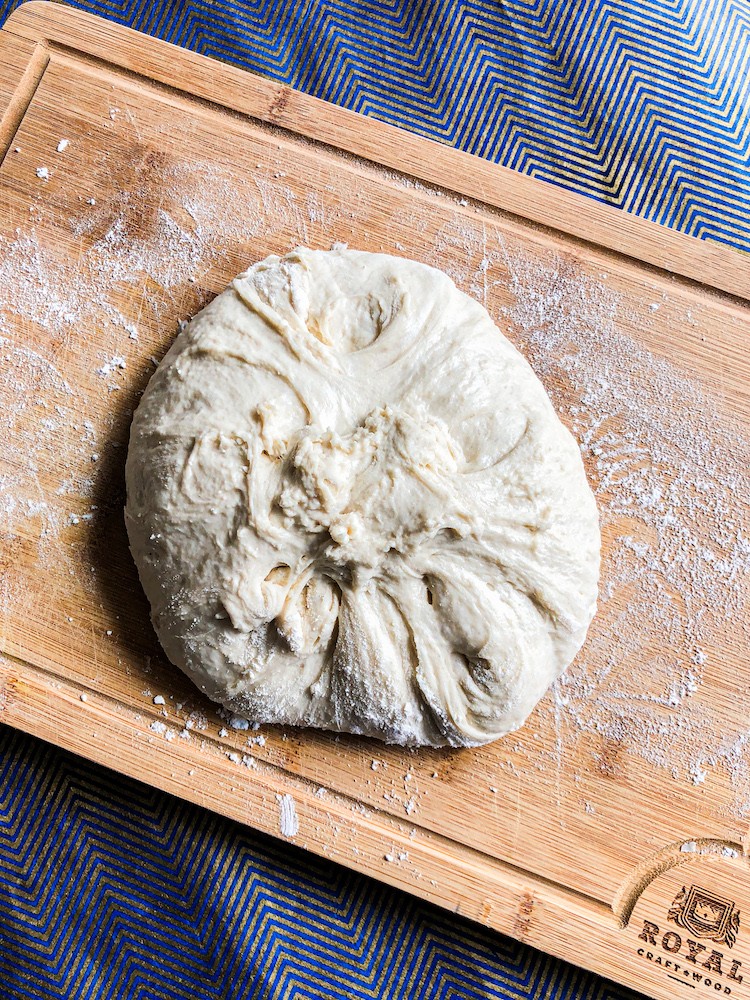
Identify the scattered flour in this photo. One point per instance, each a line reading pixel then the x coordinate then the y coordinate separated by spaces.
pixel 708 848
pixel 669 469
pixel 673 493
pixel 38 404
pixel 288 821
pixel 196 720
pixel 113 364
pixel 131 271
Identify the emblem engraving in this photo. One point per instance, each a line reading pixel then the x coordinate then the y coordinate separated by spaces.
pixel 705 915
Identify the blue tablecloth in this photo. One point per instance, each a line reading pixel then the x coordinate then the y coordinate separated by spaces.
pixel 109 889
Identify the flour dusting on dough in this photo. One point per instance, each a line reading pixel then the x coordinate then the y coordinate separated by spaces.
pixel 80 305
pixel 353 507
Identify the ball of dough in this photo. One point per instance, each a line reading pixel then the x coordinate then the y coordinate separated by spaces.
pixel 352 506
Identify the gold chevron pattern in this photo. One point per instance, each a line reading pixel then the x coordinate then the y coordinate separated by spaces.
pixel 644 106
pixel 110 890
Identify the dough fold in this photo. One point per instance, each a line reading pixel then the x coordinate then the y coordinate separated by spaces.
pixel 352 506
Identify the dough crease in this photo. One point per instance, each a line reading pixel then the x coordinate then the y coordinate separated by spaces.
pixel 352 506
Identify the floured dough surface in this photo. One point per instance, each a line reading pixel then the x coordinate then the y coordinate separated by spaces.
pixel 352 506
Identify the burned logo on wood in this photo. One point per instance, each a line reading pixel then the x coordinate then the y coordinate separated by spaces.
pixel 705 915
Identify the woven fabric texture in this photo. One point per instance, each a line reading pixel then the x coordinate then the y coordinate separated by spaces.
pixel 109 889
pixel 643 105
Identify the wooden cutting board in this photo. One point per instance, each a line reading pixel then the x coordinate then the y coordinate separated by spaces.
pixel 136 179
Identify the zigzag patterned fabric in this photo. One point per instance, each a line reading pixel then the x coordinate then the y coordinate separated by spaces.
pixel 109 889
pixel 642 105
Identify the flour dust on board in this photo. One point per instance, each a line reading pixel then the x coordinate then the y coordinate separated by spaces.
pixel 667 463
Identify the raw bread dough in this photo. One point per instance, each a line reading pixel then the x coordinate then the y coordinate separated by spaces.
pixel 352 506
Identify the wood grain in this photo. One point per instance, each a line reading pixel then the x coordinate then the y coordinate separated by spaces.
pixel 556 842
pixel 24 63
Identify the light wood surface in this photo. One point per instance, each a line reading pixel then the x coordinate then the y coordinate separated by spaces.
pixel 179 172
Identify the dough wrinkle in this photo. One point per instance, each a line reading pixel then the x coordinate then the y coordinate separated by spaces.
pixel 352 506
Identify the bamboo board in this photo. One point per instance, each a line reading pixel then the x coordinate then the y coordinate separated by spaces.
pixel 629 783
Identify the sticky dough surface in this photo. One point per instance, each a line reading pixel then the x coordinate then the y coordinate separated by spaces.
pixel 352 506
